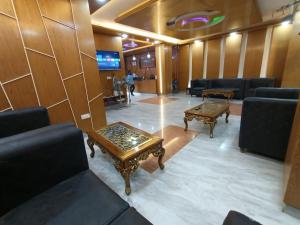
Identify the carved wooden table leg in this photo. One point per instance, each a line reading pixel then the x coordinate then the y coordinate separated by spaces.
pixel 160 154
pixel 227 115
pixel 186 123
pixel 211 128
pixel 90 141
pixel 126 176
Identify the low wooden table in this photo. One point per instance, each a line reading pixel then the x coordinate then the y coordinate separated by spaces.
pixel 227 93
pixel 208 112
pixel 127 146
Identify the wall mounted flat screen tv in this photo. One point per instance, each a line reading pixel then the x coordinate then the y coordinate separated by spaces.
pixel 108 60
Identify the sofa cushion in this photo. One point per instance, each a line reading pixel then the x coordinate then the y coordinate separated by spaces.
pixel 261 82
pixel 236 218
pixel 198 88
pixel 130 217
pixel 82 199
pixel 283 93
pixel 226 83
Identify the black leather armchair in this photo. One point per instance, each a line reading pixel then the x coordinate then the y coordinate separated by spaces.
pixel 197 86
pixel 267 120
pixel 236 218
pixel 252 84
pixel 45 179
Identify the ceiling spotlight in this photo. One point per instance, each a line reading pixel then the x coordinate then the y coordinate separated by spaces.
pixel 124 36
pixel 156 42
pixel 147 39
pixel 285 23
pixel 233 34
pixel 197 42
pixel 134 58
pixel 148 55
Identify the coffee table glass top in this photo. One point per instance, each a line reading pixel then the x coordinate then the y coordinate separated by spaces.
pixel 123 137
pixel 208 109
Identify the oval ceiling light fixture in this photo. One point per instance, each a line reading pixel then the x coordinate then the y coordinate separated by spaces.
pixel 195 20
pixel 124 36
pixel 101 1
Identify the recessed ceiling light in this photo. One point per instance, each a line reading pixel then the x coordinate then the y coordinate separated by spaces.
pixel 285 23
pixel 197 42
pixel 148 55
pixel 133 58
pixel 233 34
pixel 156 42
pixel 147 39
pixel 124 36
pixel 101 1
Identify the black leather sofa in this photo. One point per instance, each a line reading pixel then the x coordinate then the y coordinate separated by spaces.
pixel 236 218
pixel 197 86
pixel 266 121
pixel 252 84
pixel 237 85
pixel 45 176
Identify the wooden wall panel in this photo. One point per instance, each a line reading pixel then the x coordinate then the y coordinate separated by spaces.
pixel 77 96
pixel 291 77
pixel 6 7
pixel 61 113
pixel 292 165
pixel 4 104
pixel 65 48
pixel 168 69
pixel 98 113
pixel 32 27
pixel 198 51
pixel 60 11
pixel 254 53
pixel 232 56
pixel 21 93
pixel 90 68
pixel 85 31
pixel 42 71
pixel 39 80
pixel 213 58
pixel 12 57
pixel 183 76
pixel 278 52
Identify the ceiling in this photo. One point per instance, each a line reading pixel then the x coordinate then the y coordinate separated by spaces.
pixel 148 18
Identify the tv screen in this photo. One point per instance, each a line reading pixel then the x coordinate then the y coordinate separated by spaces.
pixel 108 60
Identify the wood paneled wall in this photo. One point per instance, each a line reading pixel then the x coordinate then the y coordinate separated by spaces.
pixel 291 77
pixel 213 58
pixel 48 59
pixel 183 60
pixel 110 43
pixel 197 57
pixel 232 56
pixel 278 52
pixel 254 53
pixel 292 165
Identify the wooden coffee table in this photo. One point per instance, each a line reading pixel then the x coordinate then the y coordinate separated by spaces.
pixel 208 112
pixel 227 93
pixel 127 146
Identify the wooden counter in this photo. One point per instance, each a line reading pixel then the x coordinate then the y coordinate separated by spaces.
pixel 146 86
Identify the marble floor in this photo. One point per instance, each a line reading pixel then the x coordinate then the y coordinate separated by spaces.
pixel 204 179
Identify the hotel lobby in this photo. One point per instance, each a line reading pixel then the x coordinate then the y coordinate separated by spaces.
pixel 144 112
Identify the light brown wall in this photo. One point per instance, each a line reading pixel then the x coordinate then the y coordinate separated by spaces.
pixel 213 58
pixel 292 165
pixel 110 43
pixel 278 52
pixel 232 56
pixel 291 76
pixel 183 61
pixel 254 53
pixel 197 57
pixel 46 61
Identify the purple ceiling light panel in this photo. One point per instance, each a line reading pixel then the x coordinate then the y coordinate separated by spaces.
pixel 194 19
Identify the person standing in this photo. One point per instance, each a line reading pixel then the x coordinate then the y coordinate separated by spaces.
pixel 130 82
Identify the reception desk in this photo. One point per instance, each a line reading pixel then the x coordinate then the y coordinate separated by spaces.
pixel 146 86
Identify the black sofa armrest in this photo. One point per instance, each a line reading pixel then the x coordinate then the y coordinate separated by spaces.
pixel 236 218
pixel 18 121
pixel 284 93
pixel 266 124
pixel 34 161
